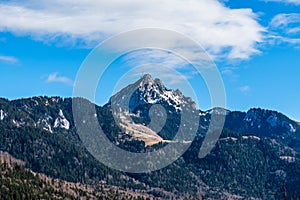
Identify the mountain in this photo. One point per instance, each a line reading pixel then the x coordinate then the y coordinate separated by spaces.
pixel 150 91
pixel 266 123
pixel 257 151
pixel 140 109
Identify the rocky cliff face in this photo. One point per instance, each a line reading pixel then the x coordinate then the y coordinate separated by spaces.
pixel 150 91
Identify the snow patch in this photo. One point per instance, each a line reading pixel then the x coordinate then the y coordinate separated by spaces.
pixel 229 138
pixel 289 159
pixel 45 123
pixel 2 115
pixel 61 121
pixel 292 128
pixel 47 103
pixel 251 137
pixel 18 123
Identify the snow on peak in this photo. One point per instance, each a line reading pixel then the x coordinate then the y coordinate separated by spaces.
pixel 61 121
pixel 155 92
pixel 149 91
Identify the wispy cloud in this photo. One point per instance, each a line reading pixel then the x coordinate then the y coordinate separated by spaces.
pixel 245 89
pixel 284 20
pixel 170 67
pixel 8 59
pixel 55 78
pixel 225 32
pixel 164 58
pixel 230 73
pixel 285 28
pixel 295 30
pixel 296 2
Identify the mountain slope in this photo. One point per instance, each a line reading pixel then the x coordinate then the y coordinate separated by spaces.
pixel 257 149
pixel 18 182
pixel 265 123
pixel 144 107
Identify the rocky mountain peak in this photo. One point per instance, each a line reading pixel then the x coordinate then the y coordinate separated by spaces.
pixel 148 83
pixel 149 91
pixel 146 79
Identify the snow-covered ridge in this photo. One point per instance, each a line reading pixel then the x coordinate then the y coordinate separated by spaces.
pixel 61 121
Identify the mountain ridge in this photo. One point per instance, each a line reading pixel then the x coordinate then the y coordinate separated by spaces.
pixel 256 149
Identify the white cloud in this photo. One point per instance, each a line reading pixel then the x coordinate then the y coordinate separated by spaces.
pixel 9 59
pixel 284 20
pixel 225 32
pixel 227 71
pixel 285 28
pixel 293 30
pixel 147 56
pixel 167 65
pixel 296 2
pixel 230 73
pixel 55 78
pixel 245 88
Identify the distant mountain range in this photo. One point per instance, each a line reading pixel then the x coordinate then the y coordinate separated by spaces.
pixel 256 157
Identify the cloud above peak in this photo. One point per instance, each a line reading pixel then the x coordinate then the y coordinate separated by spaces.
pixel 224 32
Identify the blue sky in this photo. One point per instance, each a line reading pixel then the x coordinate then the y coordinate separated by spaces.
pixel 255 45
